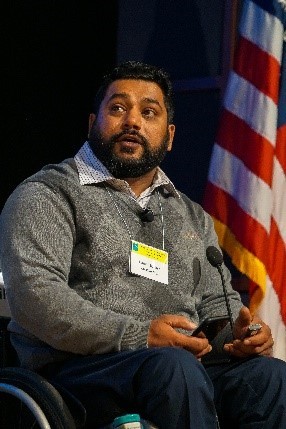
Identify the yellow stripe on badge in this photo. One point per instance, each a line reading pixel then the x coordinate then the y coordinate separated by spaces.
pixel 149 252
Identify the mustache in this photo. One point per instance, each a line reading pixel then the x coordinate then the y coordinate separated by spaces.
pixel 143 141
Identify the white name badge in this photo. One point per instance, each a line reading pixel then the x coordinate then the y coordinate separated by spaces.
pixel 147 261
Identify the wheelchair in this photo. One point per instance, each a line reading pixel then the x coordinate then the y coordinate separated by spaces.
pixel 28 400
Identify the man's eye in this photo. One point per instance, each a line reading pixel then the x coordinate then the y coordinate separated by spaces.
pixel 117 108
pixel 150 113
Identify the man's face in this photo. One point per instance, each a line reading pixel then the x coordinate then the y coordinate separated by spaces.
pixel 130 134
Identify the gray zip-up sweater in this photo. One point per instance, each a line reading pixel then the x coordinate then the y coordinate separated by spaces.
pixel 64 255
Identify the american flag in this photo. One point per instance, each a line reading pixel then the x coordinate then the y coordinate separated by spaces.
pixel 246 186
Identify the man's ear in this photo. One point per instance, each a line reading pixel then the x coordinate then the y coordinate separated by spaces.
pixel 171 136
pixel 91 120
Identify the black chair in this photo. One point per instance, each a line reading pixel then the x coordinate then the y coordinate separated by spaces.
pixel 27 400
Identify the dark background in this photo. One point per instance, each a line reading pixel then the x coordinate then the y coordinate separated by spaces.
pixel 55 52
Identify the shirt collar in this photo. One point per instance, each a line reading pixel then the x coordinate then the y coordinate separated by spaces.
pixel 92 171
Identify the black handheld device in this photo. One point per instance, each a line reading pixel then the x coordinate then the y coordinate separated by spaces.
pixel 211 326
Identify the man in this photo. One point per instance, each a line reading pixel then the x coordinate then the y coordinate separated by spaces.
pixel 105 267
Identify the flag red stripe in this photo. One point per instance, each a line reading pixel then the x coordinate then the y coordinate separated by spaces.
pixel 250 62
pixel 251 145
pixel 277 262
pixel 223 206
pixel 281 147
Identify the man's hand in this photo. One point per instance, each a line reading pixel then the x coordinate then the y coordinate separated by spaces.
pixel 258 344
pixel 163 332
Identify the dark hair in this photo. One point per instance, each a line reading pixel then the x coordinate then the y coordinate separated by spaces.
pixel 140 71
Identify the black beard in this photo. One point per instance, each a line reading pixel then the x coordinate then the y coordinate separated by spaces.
pixel 122 168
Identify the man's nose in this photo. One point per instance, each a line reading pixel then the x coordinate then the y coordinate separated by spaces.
pixel 132 119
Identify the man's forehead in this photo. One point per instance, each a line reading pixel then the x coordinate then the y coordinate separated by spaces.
pixel 128 87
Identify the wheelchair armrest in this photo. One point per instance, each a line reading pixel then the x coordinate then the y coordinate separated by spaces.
pixel 8 355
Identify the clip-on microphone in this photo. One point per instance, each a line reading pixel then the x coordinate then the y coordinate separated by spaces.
pixel 215 258
pixel 147 215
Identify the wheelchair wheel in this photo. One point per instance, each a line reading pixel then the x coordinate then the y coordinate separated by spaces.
pixel 28 401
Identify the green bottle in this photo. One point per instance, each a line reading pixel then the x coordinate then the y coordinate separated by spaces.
pixel 128 421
